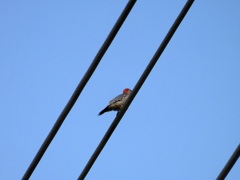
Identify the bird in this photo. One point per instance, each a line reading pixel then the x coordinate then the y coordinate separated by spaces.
pixel 117 103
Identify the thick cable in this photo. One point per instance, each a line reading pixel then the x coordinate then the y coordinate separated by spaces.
pixel 79 89
pixel 135 90
pixel 227 168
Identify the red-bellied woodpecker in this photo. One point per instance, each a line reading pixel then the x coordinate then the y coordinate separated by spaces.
pixel 117 103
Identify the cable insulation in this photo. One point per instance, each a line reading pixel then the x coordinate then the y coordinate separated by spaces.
pixel 78 90
pixel 135 90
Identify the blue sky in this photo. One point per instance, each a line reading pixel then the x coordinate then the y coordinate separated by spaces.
pixel 183 124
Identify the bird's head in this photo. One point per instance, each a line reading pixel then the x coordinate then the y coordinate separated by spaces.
pixel 127 91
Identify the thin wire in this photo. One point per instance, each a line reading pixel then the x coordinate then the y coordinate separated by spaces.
pixel 229 164
pixel 135 90
pixel 79 89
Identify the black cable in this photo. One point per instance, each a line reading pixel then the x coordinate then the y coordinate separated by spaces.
pixel 229 164
pixel 136 89
pixel 79 89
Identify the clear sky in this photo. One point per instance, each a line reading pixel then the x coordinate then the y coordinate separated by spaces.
pixel 183 124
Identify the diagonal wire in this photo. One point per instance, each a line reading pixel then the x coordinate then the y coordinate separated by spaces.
pixel 229 164
pixel 79 89
pixel 135 90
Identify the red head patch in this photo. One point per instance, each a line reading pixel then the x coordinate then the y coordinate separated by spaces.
pixel 126 91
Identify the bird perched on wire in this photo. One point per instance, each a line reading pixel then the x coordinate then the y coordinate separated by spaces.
pixel 117 103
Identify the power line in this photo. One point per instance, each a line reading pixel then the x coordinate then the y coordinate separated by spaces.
pixel 79 89
pixel 229 164
pixel 136 89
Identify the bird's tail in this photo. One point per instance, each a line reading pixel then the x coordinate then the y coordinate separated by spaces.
pixel 106 109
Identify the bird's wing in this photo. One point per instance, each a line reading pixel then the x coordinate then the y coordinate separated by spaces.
pixel 118 98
